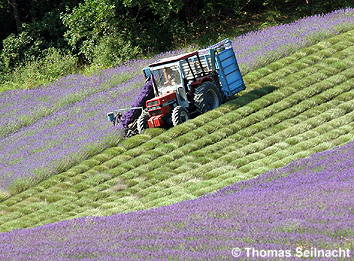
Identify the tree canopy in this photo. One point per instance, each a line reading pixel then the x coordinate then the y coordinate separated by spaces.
pixel 111 31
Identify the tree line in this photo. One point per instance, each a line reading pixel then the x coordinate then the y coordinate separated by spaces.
pixel 109 32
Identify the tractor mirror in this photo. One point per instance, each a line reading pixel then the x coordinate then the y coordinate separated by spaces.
pixel 147 72
pixel 111 117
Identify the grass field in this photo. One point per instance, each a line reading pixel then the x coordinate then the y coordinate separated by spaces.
pixel 293 107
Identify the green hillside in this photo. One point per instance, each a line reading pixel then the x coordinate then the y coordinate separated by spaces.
pixel 298 105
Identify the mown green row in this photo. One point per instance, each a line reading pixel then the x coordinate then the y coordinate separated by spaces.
pixel 176 193
pixel 301 59
pixel 202 140
pixel 196 172
pixel 339 129
pixel 62 202
pixel 57 219
pixel 332 138
pixel 215 168
pixel 201 158
pixel 88 192
pixel 133 153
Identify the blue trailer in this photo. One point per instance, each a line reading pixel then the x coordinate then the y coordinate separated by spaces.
pixel 229 73
pixel 185 86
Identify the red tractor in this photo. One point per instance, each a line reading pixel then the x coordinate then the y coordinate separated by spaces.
pixel 187 85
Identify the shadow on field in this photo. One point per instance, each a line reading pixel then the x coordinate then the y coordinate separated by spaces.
pixel 239 101
pixel 236 102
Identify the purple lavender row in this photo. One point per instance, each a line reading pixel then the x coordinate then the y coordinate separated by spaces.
pixel 307 203
pixel 37 103
pixel 62 135
pixel 277 41
pixel 47 95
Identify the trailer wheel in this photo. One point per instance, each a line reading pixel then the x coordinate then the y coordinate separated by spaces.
pixel 142 122
pixel 179 115
pixel 207 97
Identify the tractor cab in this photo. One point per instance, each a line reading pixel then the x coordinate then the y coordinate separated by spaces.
pixel 173 74
pixel 167 78
pixel 171 88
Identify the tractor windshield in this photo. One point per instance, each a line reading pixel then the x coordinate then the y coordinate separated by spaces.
pixel 166 78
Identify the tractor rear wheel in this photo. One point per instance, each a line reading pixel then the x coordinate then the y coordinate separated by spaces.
pixel 207 97
pixel 179 115
pixel 142 122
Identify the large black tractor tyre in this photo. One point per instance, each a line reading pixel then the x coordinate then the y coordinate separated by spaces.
pixel 207 97
pixel 179 115
pixel 142 122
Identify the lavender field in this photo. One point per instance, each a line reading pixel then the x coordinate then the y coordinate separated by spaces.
pixel 305 204
pixel 271 169
pixel 294 107
pixel 53 127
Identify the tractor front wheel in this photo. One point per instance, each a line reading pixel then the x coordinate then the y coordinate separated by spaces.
pixel 142 122
pixel 207 97
pixel 179 115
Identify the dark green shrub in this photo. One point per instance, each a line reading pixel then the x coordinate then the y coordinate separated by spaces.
pixel 18 49
pixel 113 50
pixel 87 24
